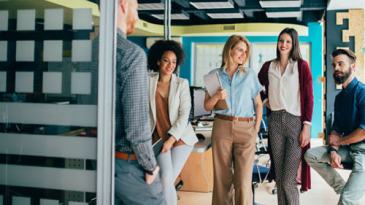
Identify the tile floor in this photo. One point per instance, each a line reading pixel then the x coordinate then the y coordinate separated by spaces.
pixel 320 193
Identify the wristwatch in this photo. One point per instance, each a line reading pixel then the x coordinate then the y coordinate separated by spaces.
pixel 330 149
pixel 152 172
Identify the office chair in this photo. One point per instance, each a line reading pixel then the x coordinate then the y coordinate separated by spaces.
pixel 260 173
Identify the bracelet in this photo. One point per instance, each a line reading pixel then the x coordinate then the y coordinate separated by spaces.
pixel 330 149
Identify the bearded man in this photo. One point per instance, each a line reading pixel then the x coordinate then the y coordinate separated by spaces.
pixel 346 144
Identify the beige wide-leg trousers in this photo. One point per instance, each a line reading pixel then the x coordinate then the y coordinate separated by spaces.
pixel 233 142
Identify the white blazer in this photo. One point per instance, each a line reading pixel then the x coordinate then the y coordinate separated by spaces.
pixel 179 108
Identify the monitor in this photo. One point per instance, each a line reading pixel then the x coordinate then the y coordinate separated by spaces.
pixel 197 102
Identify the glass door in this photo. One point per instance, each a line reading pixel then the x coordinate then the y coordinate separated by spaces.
pixel 49 73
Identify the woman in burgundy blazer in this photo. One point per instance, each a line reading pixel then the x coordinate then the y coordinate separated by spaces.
pixel 293 57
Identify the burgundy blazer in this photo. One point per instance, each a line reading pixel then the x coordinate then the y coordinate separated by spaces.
pixel 306 108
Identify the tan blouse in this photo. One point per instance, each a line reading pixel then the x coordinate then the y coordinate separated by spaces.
pixel 162 118
pixel 163 124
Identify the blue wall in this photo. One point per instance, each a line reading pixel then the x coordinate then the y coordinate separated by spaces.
pixel 314 38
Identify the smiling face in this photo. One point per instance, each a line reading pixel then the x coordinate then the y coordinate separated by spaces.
pixel 285 44
pixel 167 63
pixel 238 53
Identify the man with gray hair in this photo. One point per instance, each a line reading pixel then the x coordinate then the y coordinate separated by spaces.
pixel 346 144
pixel 136 171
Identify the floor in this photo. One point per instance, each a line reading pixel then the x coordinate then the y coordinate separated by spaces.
pixel 320 193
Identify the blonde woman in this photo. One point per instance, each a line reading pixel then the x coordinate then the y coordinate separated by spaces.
pixel 235 129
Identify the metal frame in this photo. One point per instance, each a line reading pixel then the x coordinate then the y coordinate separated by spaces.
pixel 106 97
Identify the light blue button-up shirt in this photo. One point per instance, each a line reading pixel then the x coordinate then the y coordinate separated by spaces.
pixel 241 91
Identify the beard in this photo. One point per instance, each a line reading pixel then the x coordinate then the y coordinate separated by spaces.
pixel 341 79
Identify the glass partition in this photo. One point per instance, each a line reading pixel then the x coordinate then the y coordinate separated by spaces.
pixel 48 102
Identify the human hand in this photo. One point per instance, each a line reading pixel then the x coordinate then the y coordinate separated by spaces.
pixel 335 160
pixel 221 94
pixel 168 144
pixel 304 138
pixel 334 140
pixel 151 178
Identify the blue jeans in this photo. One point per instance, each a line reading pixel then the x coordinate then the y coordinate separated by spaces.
pixel 131 187
pixel 351 191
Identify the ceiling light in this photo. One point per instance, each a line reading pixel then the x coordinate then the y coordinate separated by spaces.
pixel 175 15
pixel 152 6
pixel 279 4
pixel 284 14
pixel 227 14
pixel 212 4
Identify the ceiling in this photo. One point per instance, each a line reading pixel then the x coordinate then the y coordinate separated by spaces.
pixel 340 4
pixel 239 11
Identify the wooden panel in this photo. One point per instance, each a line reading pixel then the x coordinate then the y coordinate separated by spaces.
pixel 324 45
pixel 356 26
pixel 342 48
pixel 356 29
pixel 324 90
pixel 321 79
pixel 340 16
pixel 193 172
pixel 324 105
pixel 346 36
pixel 321 135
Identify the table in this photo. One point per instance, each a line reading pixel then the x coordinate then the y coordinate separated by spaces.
pixel 197 173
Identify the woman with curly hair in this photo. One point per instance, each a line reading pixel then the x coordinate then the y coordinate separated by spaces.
pixel 170 105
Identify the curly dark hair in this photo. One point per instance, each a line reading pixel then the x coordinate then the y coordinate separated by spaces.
pixel 159 48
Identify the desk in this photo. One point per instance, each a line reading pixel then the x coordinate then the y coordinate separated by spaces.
pixel 197 173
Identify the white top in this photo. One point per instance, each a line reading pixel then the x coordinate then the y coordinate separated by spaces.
pixel 284 89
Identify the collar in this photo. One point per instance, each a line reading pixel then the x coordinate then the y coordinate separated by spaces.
pixel 351 86
pixel 225 71
pixel 120 32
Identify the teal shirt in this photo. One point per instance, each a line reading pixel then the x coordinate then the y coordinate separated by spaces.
pixel 240 92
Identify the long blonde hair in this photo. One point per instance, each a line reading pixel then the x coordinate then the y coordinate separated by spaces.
pixel 228 46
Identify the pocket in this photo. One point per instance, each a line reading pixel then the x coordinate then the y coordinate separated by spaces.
pixel 120 167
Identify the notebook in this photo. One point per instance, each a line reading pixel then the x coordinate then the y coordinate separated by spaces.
pixel 157 146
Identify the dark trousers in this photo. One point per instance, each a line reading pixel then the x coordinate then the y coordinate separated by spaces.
pixel 131 187
pixel 284 131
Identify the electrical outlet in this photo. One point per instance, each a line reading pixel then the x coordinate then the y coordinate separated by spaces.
pixel 74 196
pixel 75 163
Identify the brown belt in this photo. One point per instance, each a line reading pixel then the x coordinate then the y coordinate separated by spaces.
pixel 235 119
pixel 125 156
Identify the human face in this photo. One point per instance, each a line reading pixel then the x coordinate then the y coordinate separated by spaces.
pixel 285 44
pixel 342 68
pixel 238 53
pixel 132 15
pixel 167 64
